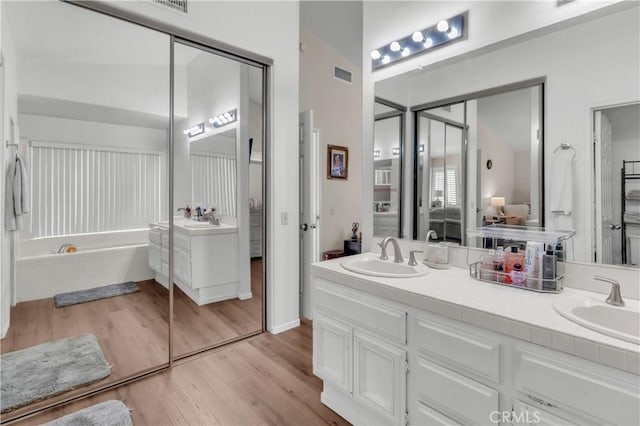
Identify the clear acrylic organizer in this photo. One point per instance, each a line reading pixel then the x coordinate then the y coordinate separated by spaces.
pixel 512 235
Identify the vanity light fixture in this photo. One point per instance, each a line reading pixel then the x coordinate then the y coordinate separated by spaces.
pixel 395 151
pixel 444 32
pixel 224 118
pixel 195 130
pixel 376 154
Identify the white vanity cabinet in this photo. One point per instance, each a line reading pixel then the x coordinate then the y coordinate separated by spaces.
pixel 386 363
pixel 363 370
pixel 206 265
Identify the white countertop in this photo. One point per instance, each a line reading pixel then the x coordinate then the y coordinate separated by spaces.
pixel 523 314
pixel 203 228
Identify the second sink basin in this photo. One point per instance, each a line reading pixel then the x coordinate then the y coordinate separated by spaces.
pixel 373 266
pixel 615 321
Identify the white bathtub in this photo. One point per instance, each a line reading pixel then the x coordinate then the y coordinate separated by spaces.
pixel 101 259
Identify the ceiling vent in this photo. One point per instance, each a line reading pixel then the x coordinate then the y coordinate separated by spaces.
pixel 177 5
pixel 342 74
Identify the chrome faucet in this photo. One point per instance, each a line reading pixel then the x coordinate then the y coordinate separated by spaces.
pixel 614 298
pixel 430 233
pixel 396 250
pixel 211 217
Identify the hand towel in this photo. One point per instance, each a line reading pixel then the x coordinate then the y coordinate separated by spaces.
pixel 21 194
pixel 561 185
pixel 9 210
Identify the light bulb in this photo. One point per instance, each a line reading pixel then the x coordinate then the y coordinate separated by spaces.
pixel 442 26
pixel 212 120
pixel 395 46
pixel 417 37
pixel 453 33
pixel 386 59
pixel 405 52
pixel 428 43
pixel 375 55
pixel 227 115
pixel 186 132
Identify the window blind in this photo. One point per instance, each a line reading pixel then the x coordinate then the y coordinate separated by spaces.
pixel 451 193
pixel 80 189
pixel 213 182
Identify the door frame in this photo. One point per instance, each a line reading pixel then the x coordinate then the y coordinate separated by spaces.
pixel 596 173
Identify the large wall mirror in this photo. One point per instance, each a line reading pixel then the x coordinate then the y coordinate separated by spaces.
pixel 504 136
pixel 111 204
pixel 388 146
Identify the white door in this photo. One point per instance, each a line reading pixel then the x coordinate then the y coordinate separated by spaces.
pixel 380 377
pixel 608 243
pixel 332 352
pixel 308 239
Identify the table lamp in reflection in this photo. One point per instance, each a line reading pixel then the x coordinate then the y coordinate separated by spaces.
pixel 497 203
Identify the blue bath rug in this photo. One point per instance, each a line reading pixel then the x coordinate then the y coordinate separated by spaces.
pixel 65 299
pixel 109 413
pixel 49 369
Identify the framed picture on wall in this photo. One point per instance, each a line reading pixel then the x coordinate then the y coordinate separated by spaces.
pixel 337 162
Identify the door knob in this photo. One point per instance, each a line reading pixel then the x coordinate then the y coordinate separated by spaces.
pixel 304 226
pixel 615 227
pixel 312 226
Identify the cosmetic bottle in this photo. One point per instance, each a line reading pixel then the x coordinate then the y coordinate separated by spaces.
pixel 498 265
pixel 511 259
pixel 517 275
pixel 549 261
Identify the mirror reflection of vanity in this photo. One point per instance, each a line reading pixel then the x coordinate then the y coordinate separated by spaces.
pixel 486 140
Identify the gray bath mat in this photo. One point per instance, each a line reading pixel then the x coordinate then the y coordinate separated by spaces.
pixel 65 299
pixel 50 369
pixel 109 413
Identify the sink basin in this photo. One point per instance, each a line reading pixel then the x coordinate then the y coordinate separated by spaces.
pixel 199 225
pixel 620 322
pixel 373 266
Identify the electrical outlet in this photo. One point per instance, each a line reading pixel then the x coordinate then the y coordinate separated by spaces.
pixel 284 218
pixel 332 210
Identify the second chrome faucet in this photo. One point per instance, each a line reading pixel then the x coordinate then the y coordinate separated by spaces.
pixel 396 250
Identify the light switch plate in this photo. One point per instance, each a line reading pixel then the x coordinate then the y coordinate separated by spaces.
pixel 284 218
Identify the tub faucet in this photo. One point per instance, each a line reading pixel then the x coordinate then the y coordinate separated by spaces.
pixel 431 233
pixel 614 299
pixel 396 250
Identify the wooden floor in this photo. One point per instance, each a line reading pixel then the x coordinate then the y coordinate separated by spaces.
pixel 266 379
pixel 133 329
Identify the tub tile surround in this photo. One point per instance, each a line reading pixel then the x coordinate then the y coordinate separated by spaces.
pixel 525 315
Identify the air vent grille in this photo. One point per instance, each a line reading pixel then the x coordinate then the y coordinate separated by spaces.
pixel 342 74
pixel 179 5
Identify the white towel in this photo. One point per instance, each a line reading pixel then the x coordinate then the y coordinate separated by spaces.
pixel 561 185
pixel 21 194
pixel 9 210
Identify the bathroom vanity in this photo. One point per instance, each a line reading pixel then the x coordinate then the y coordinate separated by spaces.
pixel 206 259
pixel 442 348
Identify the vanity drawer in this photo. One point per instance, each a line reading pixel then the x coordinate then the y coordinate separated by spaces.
pixel 600 392
pixel 155 235
pixel 452 394
pixel 363 311
pixel 424 415
pixel 463 350
pixel 165 254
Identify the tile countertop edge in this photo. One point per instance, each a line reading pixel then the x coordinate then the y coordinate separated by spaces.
pixel 546 328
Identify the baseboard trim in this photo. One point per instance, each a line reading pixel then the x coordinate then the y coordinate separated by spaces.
pixel 245 296
pixel 286 326
pixel 5 330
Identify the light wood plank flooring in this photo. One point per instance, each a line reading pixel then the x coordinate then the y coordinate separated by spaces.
pixel 266 379
pixel 133 329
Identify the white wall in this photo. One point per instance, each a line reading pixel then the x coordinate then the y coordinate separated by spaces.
pixel 272 30
pixel 575 82
pixel 336 107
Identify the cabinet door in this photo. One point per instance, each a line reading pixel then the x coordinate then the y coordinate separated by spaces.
pixel 332 351
pixel 380 376
pixel 155 257
pixel 182 266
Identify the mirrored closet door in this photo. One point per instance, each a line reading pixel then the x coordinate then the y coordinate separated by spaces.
pixel 218 199
pixel 88 99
